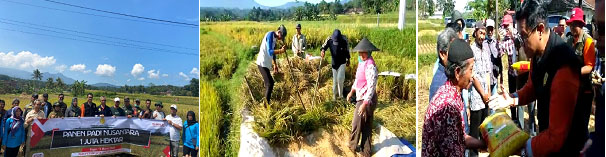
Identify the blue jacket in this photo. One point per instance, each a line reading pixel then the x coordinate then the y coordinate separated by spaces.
pixel 190 135
pixel 14 140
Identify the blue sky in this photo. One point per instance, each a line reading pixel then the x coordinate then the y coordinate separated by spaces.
pixel 269 3
pixel 101 63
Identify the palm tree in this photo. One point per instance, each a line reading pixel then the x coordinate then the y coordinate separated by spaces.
pixel 37 75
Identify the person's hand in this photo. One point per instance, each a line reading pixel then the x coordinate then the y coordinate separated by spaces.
pixel 164 119
pixel 276 70
pixel 349 96
pixel 322 54
pixel 586 146
pixel 101 115
pixel 486 98
pixel 361 110
pixel 197 148
pixel 129 116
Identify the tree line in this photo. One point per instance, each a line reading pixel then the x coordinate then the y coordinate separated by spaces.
pixel 307 11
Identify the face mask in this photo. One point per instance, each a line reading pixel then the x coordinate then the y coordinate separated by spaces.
pixel 360 59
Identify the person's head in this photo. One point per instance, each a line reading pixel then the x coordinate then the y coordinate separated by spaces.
pixel 173 109
pixel 457 23
pixel 126 101
pixel 281 32
pixel 298 28
pixel 148 103
pixel 89 97
pixel 16 102
pixel 562 23
pixel 137 102
pixel 490 27
pixel 159 106
pixel 117 102
pixel 365 48
pixel 74 101
pixel 34 97
pixel 599 24
pixel 45 97
pixel 103 100
pixel 460 64
pixel 2 103
pixel 191 116
pixel 37 104
pixel 61 97
pixel 444 38
pixel 17 112
pixel 532 27
pixel 576 22
pixel 57 107
pixel 480 32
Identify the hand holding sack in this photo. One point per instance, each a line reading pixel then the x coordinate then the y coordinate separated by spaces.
pixel 501 135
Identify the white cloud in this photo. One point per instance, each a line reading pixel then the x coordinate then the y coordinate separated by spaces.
pixel 184 76
pixel 141 78
pixel 128 80
pixel 61 68
pixel 164 75
pixel 78 67
pixel 137 69
pixel 105 70
pixel 25 60
pixel 195 71
pixel 153 74
pixel 87 71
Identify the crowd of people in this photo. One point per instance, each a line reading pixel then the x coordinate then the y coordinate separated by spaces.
pixel 363 90
pixel 563 79
pixel 17 121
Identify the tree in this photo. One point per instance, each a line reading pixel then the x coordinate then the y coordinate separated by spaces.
pixel 60 84
pixel 37 75
pixel 324 7
pixel 337 7
pixel 426 8
pixel 479 10
pixel 78 88
pixel 447 7
pixel 50 83
pixel 193 87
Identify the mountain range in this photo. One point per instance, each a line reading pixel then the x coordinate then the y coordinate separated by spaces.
pixel 45 75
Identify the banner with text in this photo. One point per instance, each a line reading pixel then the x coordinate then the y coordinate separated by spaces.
pixel 91 136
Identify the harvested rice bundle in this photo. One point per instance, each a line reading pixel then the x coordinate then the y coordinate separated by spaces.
pixel 501 135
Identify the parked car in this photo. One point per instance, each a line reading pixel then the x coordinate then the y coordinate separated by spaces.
pixel 470 23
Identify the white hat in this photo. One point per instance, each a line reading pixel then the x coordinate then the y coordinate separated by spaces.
pixel 489 23
pixel 173 106
pixel 116 99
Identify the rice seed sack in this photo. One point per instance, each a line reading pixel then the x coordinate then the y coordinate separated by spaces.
pixel 501 135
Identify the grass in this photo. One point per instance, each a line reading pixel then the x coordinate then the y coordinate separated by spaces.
pixel 210 114
pixel 241 40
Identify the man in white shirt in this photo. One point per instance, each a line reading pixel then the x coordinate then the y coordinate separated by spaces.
pixel 175 123
pixel 298 43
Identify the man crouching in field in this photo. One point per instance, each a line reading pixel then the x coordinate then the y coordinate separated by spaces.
pixel 266 60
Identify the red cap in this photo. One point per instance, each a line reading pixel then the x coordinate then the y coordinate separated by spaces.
pixel 577 15
pixel 507 20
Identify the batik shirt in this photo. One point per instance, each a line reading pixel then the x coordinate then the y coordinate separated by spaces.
pixel 443 133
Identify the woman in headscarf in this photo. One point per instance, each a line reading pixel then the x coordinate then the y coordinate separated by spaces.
pixel 364 87
pixel 443 130
pixel 14 133
pixel 73 110
pixel 190 135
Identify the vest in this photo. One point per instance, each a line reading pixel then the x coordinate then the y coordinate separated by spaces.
pixel 89 110
pixel 544 69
